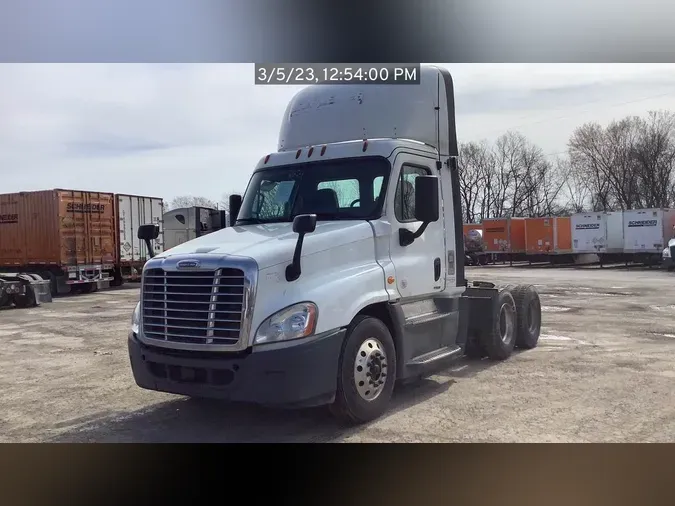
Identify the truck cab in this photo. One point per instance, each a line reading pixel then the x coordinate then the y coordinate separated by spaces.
pixel 343 272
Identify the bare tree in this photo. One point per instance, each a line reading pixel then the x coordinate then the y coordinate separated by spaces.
pixel 513 177
pixel 653 156
pixel 576 193
pixel 628 164
pixel 190 201
pixel 475 171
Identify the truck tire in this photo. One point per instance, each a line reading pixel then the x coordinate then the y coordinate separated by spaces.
pixel 528 309
pixel 500 342
pixel 25 300
pixel 4 297
pixel 366 372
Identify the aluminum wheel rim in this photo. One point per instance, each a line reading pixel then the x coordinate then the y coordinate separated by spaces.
pixel 370 369
pixel 506 323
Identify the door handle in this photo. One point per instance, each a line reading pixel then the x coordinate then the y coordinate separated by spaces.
pixel 437 269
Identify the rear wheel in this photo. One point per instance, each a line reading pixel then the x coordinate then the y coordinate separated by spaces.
pixel 366 371
pixel 25 300
pixel 4 298
pixel 528 308
pixel 500 341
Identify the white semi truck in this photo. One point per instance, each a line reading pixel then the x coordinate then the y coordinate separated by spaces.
pixel 343 273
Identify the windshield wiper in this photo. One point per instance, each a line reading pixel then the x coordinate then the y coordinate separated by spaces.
pixel 250 221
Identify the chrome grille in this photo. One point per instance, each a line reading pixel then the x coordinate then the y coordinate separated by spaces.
pixel 197 307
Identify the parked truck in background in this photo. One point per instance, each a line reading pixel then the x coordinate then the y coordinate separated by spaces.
pixel 343 272
pixel 187 223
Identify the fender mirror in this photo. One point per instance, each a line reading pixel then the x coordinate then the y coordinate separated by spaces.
pixel 148 233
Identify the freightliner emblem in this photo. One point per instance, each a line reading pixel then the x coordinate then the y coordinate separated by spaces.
pixel 188 264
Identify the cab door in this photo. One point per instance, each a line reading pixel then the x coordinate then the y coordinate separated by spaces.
pixel 421 266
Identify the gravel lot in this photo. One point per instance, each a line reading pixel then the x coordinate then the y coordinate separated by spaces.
pixel 604 371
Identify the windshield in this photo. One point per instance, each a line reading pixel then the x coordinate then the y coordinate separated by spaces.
pixel 347 189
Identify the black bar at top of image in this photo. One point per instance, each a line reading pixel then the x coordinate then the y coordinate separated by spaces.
pixel 241 31
pixel 336 73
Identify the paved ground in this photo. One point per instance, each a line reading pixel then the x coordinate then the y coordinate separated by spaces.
pixel 604 371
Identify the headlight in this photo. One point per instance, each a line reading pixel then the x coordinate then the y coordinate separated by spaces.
pixel 666 253
pixel 293 322
pixel 136 318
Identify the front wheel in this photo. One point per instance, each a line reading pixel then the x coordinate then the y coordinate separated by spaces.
pixel 366 372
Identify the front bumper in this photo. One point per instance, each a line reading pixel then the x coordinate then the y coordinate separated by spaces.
pixel 303 374
pixel 667 263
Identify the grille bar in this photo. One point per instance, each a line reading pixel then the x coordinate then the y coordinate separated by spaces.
pixel 198 308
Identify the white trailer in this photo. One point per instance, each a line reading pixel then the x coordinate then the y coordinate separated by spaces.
pixel 647 231
pixel 132 212
pixel 599 233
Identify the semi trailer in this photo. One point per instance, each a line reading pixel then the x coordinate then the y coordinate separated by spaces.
pixel 343 273
pixel 64 236
pixel 76 240
pixel 131 212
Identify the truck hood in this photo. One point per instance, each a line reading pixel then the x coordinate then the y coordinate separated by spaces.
pixel 273 243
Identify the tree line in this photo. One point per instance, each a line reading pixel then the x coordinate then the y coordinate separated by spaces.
pixel 627 164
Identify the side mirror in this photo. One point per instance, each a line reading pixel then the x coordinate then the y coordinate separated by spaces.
pixel 148 233
pixel 426 208
pixel 426 199
pixel 235 206
pixel 302 224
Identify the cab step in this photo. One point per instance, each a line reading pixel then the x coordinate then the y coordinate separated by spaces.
pixel 433 356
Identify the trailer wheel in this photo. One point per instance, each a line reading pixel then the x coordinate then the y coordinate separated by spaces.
pixel 499 343
pixel 88 288
pixel 25 300
pixel 366 372
pixel 483 259
pixel 528 307
pixel 4 297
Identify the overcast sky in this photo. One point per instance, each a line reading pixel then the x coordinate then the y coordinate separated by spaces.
pixel 169 130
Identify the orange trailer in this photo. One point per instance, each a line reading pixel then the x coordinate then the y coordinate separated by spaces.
pixel 504 235
pixel 539 237
pixel 562 232
pixel 548 235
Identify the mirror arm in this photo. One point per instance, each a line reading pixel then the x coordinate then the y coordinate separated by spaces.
pixel 293 270
pixel 406 237
pixel 148 244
